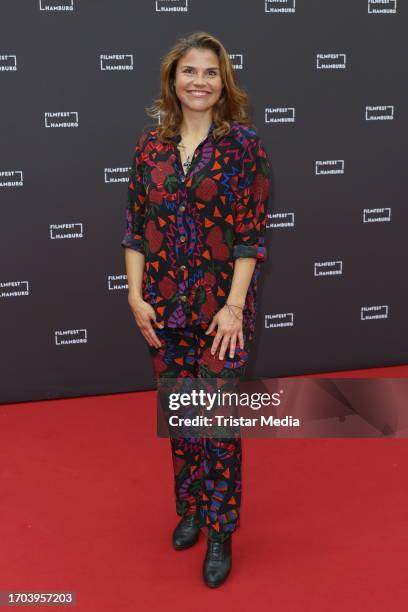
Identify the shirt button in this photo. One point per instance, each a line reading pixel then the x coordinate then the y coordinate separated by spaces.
pixel 182 208
pixel 183 267
pixel 182 238
pixel 183 298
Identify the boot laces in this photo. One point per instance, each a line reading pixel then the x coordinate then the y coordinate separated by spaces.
pixel 215 550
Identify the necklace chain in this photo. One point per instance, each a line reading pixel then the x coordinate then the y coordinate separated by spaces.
pixel 188 160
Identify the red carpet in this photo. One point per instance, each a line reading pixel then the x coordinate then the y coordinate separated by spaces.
pixel 87 506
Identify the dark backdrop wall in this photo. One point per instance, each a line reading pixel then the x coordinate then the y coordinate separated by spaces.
pixel 327 80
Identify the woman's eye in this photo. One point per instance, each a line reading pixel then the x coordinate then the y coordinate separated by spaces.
pixel 211 72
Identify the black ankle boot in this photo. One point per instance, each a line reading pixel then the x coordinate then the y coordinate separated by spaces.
pixel 186 533
pixel 218 561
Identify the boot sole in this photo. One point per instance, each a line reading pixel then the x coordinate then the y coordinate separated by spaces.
pixel 213 585
pixel 186 546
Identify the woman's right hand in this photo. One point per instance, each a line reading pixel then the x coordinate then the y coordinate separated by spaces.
pixel 144 313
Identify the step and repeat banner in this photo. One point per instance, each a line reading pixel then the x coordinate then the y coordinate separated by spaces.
pixel 327 82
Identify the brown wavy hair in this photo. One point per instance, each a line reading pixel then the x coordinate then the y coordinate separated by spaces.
pixel 233 104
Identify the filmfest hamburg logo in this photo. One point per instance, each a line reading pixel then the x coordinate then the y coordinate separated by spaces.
pixel 60 231
pixel 331 61
pixel 11 178
pixel 329 166
pixel 280 114
pixel 283 219
pixel 71 336
pixel 376 215
pixel 116 61
pixel 279 319
pixel 237 60
pixel 61 119
pixel 117 175
pixel 8 63
pixel 374 312
pixel 14 288
pixel 376 7
pixel 171 6
pixel 379 113
pixel 280 6
pixel 56 5
pixel 328 268
pixel 117 282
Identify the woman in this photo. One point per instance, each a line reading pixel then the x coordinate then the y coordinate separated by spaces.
pixel 195 225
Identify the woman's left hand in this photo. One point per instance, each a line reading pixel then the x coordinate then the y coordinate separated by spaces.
pixel 229 322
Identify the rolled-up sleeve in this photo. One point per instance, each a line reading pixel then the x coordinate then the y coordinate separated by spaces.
pixel 135 210
pixel 252 199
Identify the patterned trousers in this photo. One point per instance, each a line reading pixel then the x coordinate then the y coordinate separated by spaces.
pixel 207 471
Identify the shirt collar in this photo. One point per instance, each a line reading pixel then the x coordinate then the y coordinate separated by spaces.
pixel 177 137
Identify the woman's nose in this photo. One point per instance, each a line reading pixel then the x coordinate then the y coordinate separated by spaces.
pixel 199 80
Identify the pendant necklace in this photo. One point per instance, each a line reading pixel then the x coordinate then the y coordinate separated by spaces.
pixel 187 163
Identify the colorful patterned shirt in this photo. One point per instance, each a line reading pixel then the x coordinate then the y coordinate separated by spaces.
pixel 191 227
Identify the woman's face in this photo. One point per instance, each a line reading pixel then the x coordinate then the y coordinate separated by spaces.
pixel 198 80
